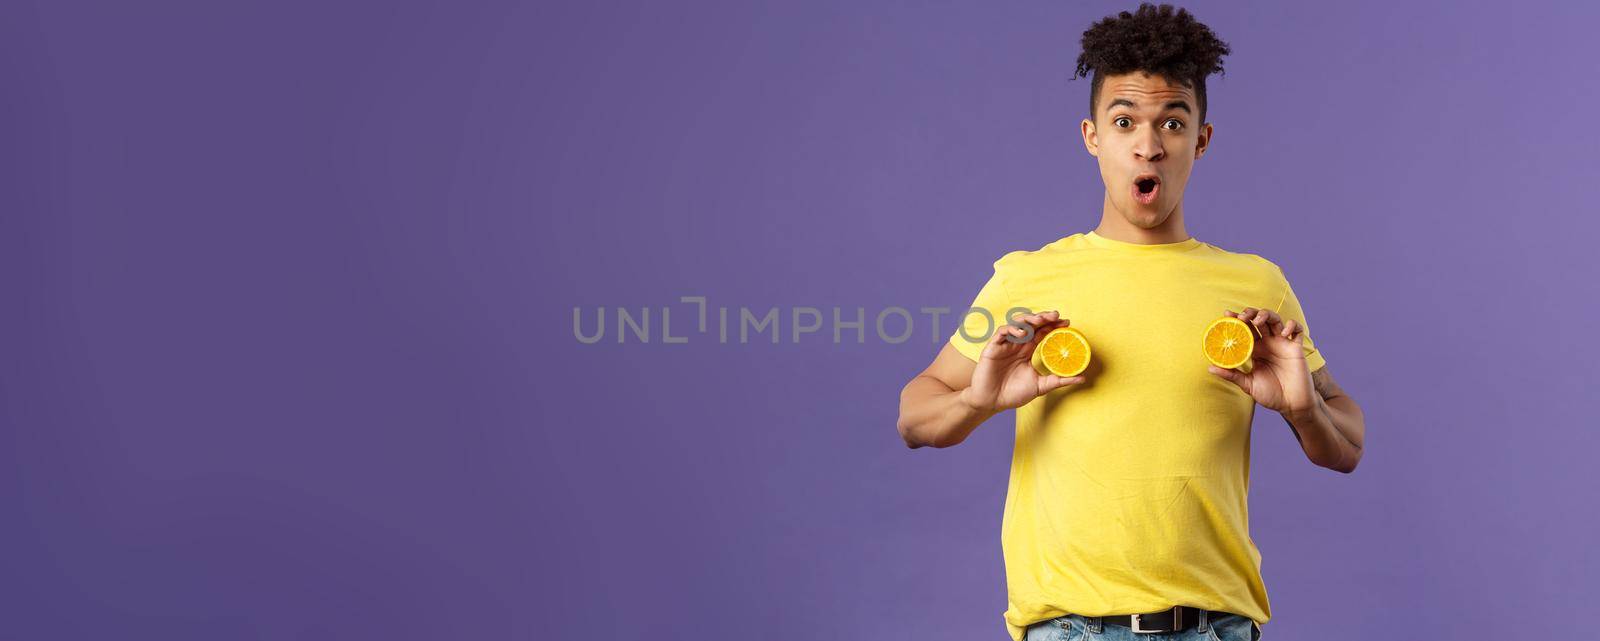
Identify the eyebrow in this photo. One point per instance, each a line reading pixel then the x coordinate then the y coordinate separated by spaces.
pixel 1175 104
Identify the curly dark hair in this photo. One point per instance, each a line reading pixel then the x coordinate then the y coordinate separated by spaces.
pixel 1155 39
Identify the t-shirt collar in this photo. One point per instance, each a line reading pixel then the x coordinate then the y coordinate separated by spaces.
pixel 1121 245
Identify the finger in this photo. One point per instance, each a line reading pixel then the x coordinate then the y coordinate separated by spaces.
pixel 1042 320
pixel 1052 382
pixel 1048 327
pixel 1044 329
pixel 1028 330
pixel 1259 320
pixel 1018 335
pixel 1239 379
pixel 1005 343
pixel 1274 322
pixel 1244 314
pixel 1026 322
pixel 1292 329
pixel 998 343
pixel 1263 323
pixel 1037 320
pixel 1248 315
pixel 999 335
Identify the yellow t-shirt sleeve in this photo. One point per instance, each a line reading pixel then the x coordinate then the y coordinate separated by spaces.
pixel 1291 308
pixel 976 323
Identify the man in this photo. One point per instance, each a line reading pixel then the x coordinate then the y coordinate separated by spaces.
pixel 1126 511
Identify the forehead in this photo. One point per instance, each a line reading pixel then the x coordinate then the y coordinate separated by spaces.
pixel 1145 90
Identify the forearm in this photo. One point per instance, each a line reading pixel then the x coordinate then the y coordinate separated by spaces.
pixel 932 414
pixel 1331 432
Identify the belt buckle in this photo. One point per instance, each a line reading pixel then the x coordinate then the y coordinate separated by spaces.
pixel 1137 625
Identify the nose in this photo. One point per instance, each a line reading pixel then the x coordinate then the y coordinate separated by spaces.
pixel 1148 147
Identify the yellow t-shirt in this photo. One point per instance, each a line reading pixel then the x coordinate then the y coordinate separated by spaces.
pixel 1128 493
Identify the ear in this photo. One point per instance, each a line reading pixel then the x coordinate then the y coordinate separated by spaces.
pixel 1204 141
pixel 1091 139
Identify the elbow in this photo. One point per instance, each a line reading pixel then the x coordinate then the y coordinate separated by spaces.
pixel 914 439
pixel 917 429
pixel 905 435
pixel 905 425
pixel 1347 464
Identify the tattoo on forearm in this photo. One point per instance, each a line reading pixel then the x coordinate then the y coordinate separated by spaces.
pixel 1326 389
pixel 1322 380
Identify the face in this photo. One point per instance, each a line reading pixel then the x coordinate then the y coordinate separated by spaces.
pixel 1146 137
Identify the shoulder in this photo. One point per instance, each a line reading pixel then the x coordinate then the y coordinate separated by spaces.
pixel 1027 259
pixel 1257 263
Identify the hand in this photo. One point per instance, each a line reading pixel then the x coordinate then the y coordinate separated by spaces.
pixel 1004 377
pixel 1279 378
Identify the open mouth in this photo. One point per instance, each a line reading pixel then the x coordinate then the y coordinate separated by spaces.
pixel 1146 187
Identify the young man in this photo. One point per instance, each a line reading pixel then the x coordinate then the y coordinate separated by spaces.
pixel 1126 512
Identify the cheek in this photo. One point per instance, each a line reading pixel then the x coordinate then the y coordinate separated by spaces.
pixel 1108 173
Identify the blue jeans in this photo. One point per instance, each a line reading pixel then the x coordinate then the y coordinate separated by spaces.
pixel 1071 627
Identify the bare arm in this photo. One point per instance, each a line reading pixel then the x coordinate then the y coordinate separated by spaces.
pixel 943 405
pixel 1333 430
pixel 1326 421
pixel 932 409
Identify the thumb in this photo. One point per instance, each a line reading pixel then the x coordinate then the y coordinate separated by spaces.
pixel 1236 377
pixel 1052 382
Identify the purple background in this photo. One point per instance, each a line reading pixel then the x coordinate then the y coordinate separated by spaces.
pixel 288 347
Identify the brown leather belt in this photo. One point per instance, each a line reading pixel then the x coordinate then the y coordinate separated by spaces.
pixel 1177 619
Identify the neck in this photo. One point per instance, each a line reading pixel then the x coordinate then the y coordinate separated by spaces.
pixel 1115 227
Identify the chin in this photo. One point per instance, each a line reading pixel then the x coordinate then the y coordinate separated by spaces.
pixel 1144 218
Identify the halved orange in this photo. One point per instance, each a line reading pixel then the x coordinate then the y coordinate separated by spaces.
pixel 1228 342
pixel 1064 351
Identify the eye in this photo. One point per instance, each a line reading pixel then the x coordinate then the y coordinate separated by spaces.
pixel 1118 122
pixel 1172 121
